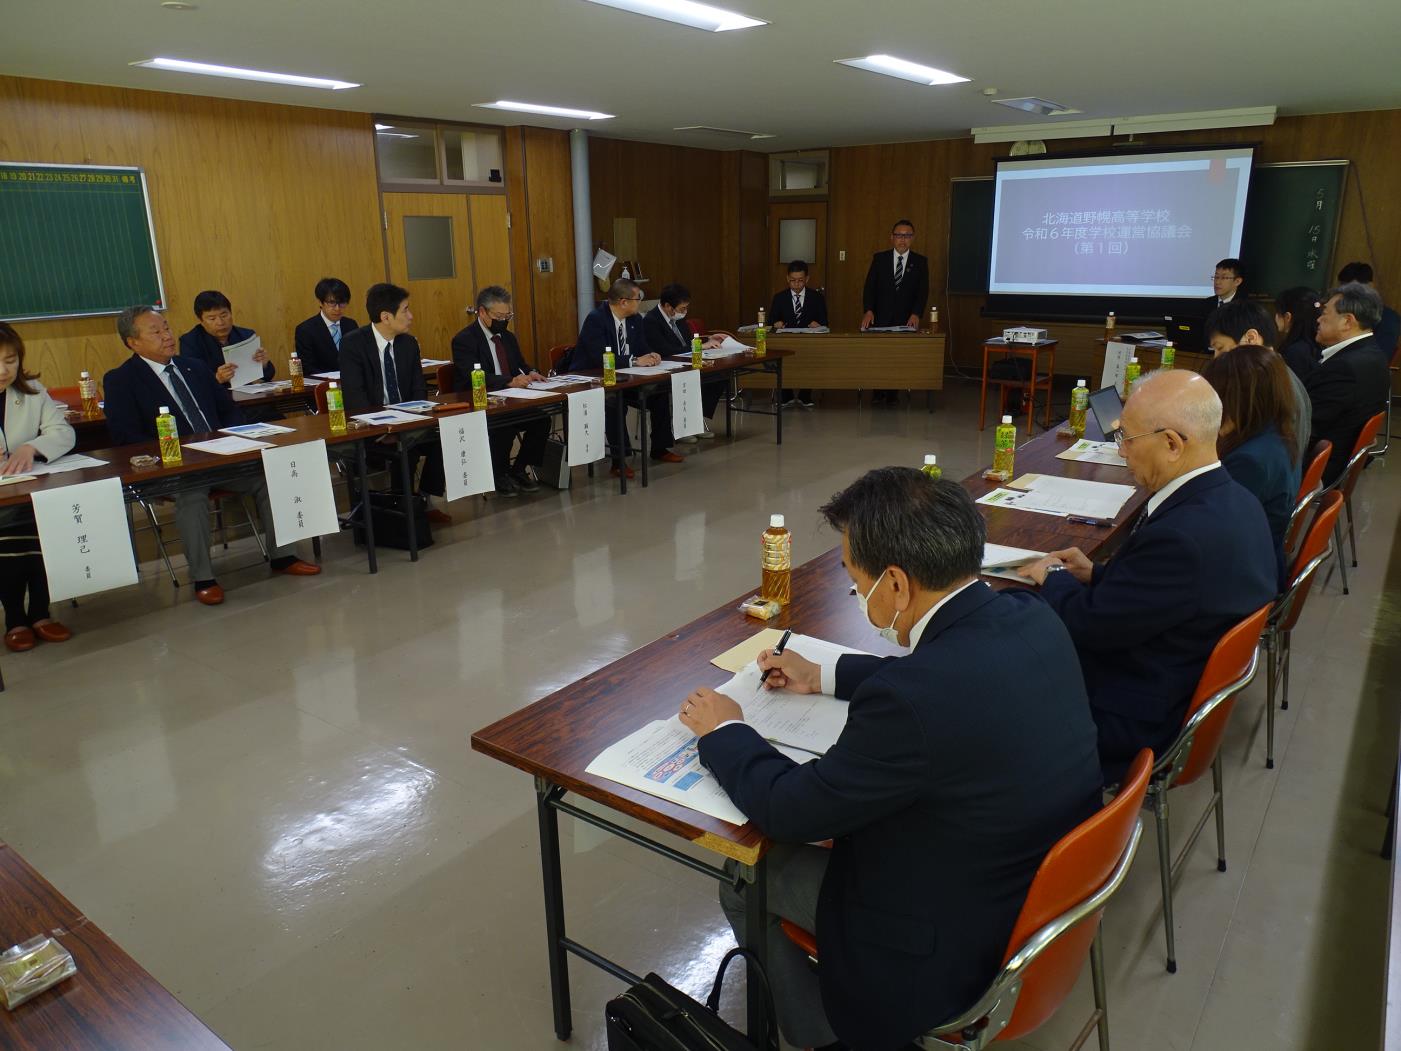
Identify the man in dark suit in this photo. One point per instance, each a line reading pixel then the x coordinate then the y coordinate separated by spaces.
pixel 950 781
pixel 798 306
pixel 488 343
pixel 669 333
pixel 317 340
pixel 1199 560
pixel 381 365
pixel 897 288
pixel 216 330
pixel 616 325
pixel 1348 385
pixel 155 377
pixel 1226 283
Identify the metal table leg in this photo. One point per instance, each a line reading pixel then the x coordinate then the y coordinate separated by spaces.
pixel 778 408
pixel 755 937
pixel 731 392
pixel 620 429
pixel 367 518
pixel 644 453
pixel 554 908
pixel 406 481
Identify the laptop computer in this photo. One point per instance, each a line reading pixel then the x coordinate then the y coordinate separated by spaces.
pixel 1107 406
pixel 1185 333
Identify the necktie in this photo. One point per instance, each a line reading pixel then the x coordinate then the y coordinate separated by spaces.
pixel 336 335
pixel 193 414
pixel 797 310
pixel 899 270
pixel 391 376
pixel 498 355
pixel 622 341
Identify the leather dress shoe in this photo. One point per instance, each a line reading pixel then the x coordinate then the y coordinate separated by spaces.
pixel 524 482
pixel 508 486
pixel 623 470
pixel 298 568
pixel 436 517
pixel 210 596
pixel 20 639
pixel 53 631
pixel 669 457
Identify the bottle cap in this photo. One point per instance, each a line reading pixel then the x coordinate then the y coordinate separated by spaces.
pixel 1167 342
pixel 775 521
pixel 1111 313
pixel 930 459
pixel 1133 361
pixel 334 385
pixel 83 374
pixel 476 364
pixel 1006 419
pixel 165 409
pixel 1079 383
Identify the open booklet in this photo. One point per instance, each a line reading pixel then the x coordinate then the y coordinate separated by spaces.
pixel 663 757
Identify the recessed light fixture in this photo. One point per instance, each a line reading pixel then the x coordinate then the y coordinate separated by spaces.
pixel 734 132
pixel 686 13
pixel 891 66
pixel 177 5
pixel 180 65
pixel 549 111
pixel 1041 107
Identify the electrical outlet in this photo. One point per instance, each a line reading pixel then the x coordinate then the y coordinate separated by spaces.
pixel 545 265
pixel 841 256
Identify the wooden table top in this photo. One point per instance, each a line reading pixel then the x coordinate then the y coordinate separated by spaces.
pixel 112 1003
pixel 557 737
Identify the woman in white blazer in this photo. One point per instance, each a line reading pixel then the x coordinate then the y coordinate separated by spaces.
pixel 32 428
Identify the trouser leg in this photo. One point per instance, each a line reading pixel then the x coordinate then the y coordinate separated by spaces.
pixel 534 435
pixel 192 523
pixel 500 442
pixel 38 582
pixel 12 586
pixel 661 439
pixel 794 878
pixel 711 394
pixel 258 490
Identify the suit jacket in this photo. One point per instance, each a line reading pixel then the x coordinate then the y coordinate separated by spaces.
pixel 362 370
pixel 37 420
pixel 1346 391
pixel 1146 624
pixel 471 347
pixel 1301 356
pixel 814 307
pixel 1211 304
pixel 1388 332
pixel 892 306
pixel 600 330
pixel 953 777
pixel 314 345
pixel 661 337
pixel 134 396
pixel 200 345
pixel 1264 466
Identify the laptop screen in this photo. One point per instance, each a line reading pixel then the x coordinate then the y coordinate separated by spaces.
pixel 1107 407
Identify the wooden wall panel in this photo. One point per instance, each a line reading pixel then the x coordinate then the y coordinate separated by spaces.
pixel 753 244
pixel 259 201
pixel 550 217
pixel 491 245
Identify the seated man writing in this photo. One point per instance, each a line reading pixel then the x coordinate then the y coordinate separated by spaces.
pixel 949 783
pixel 1199 560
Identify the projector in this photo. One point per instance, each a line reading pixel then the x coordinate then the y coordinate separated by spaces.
pixel 1023 335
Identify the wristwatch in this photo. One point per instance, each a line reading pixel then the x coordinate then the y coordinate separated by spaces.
pixel 1055 568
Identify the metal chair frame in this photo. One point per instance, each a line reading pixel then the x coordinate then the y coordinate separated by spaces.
pixel 1345 483
pixel 219 524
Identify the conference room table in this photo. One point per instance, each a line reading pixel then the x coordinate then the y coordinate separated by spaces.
pixel 111 1004
pixel 858 360
pixel 555 738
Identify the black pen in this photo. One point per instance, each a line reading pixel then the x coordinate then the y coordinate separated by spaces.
pixel 1103 523
pixel 777 651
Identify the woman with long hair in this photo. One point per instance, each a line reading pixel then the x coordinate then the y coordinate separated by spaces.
pixel 1296 317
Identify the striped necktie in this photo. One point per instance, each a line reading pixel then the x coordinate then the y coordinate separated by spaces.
pixel 185 398
pixel 797 310
pixel 899 270
pixel 391 376
pixel 336 335
pixel 622 341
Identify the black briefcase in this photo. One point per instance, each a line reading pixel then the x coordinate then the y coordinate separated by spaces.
pixel 654 1016
pixel 391 530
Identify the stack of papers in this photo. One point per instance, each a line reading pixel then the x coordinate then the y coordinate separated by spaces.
pixel 388 416
pixel 554 382
pixel 434 362
pixel 892 328
pixel 71 462
pixel 999 561
pixel 733 346
pixel 412 406
pixel 1048 494
pixel 248 371
pixel 1086 451
pixel 230 446
pixel 526 393
pixel 645 370
pixel 255 430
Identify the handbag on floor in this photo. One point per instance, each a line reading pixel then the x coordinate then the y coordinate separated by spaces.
pixel 655 1016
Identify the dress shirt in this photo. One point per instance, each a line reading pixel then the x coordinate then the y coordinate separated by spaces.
pixel 497 355
pixel 158 367
pixel 1177 483
pixel 1222 302
pixel 380 344
pixel 331 326
pixel 1328 352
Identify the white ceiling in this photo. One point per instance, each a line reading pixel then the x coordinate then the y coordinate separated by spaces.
pixel 435 58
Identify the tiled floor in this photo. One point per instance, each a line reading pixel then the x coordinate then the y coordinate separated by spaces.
pixel 274 807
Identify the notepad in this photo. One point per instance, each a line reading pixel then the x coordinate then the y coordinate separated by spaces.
pixel 230 446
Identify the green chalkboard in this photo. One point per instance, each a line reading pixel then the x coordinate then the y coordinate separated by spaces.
pixel 75 241
pixel 1291 227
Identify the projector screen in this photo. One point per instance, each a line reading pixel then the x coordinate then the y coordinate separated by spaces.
pixel 1147 224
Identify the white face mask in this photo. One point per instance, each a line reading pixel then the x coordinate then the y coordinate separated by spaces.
pixel 889 634
pixel 680 315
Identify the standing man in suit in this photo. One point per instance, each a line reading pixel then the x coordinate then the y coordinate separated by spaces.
pixel 615 324
pixel 216 330
pixel 668 332
pixel 381 365
pixel 946 754
pixel 318 339
pixel 798 306
pixel 1387 331
pixel 1226 283
pixel 1198 561
pixel 487 342
pixel 897 288
pixel 155 377
pixel 1348 385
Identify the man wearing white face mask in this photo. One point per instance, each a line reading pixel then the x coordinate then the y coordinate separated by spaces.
pixel 960 765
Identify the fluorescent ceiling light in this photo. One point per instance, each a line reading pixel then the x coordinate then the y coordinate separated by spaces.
pixel 686 13
pixel 898 67
pixel 179 65
pixel 550 111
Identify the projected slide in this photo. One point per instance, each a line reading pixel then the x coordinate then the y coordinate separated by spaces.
pixel 1137 225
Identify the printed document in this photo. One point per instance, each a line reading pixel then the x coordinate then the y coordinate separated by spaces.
pixel 524 393
pixel 255 430
pixel 241 354
pixel 388 416
pixel 663 760
pixel 1000 561
pixel 1073 496
pixel 230 446
pixel 1086 451
pixel 71 462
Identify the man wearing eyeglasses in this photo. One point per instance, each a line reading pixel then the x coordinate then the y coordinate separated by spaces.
pixel 488 342
pixel 1226 284
pixel 616 325
pixel 1198 560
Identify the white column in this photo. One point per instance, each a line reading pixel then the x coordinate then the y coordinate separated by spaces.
pixel 583 221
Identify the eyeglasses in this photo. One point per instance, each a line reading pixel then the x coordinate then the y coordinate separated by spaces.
pixel 500 317
pixel 1119 438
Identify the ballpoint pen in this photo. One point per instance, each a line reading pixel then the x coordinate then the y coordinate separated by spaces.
pixel 777 651
pixel 1103 523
